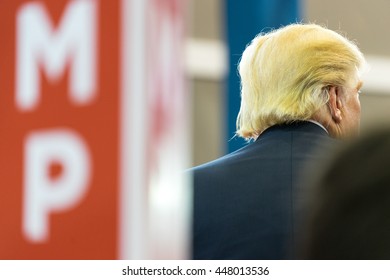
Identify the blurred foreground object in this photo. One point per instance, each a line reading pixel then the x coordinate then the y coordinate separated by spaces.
pixel 352 203
pixel 93 130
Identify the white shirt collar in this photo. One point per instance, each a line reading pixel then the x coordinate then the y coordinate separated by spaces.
pixel 320 125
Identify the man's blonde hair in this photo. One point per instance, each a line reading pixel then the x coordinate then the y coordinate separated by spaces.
pixel 285 75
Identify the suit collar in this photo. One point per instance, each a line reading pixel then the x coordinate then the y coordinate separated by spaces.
pixel 296 126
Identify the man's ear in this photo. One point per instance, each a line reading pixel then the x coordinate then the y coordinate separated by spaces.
pixel 335 103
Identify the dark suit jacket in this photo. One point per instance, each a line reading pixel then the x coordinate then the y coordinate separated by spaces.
pixel 245 202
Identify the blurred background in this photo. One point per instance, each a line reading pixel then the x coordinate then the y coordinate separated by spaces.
pixel 224 27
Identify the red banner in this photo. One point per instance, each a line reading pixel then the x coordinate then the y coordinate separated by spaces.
pixel 90 94
pixel 59 129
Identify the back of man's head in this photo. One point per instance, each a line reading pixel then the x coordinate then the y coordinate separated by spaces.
pixel 286 75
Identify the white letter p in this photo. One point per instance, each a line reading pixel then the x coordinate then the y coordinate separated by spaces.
pixel 43 195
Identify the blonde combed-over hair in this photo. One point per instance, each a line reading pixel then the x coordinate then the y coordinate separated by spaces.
pixel 285 74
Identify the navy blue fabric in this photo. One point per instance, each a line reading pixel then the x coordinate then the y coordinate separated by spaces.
pixel 245 202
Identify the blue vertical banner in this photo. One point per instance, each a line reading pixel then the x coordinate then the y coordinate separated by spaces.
pixel 245 19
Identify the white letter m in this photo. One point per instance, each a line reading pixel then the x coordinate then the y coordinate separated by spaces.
pixel 38 43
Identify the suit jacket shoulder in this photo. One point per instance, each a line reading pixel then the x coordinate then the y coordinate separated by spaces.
pixel 244 202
